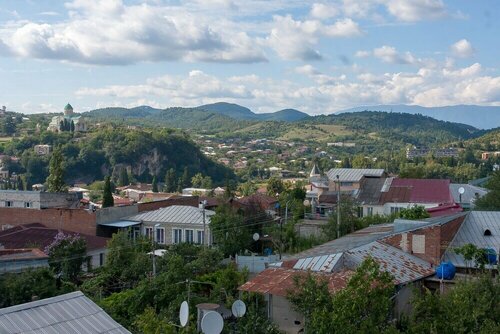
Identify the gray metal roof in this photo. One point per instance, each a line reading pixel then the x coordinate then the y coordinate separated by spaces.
pixel 353 174
pixel 69 313
pixel 370 190
pixel 403 266
pixel 469 195
pixel 472 231
pixel 177 214
pixel 121 223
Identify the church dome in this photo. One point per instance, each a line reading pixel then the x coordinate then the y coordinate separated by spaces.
pixel 68 109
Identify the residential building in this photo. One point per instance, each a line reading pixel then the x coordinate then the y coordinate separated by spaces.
pixel 71 313
pixel 414 152
pixel 43 149
pixel 25 236
pixel 38 199
pixel 18 260
pixel 488 155
pixel 409 250
pixel 177 224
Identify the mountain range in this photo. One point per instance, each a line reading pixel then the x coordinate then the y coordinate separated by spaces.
pixel 482 117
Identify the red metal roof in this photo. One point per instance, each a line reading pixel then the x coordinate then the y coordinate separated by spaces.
pixel 420 191
pixel 445 210
pixel 39 236
pixel 279 281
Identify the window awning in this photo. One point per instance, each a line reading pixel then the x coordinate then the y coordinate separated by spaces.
pixel 121 223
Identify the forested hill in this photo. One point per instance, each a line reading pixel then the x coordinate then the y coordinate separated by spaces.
pixel 107 151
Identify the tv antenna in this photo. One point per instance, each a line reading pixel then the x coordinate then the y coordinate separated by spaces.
pixel 184 314
pixel 212 323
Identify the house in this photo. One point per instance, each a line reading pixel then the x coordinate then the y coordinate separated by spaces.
pixel 195 191
pixel 468 197
pixel 395 194
pixel 176 224
pixel 27 236
pixel 71 313
pixel 38 199
pixel 43 149
pixel 70 121
pixel 18 260
pixel 256 202
pixel 409 250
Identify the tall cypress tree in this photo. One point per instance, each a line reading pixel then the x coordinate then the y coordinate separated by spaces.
pixel 123 178
pixel 107 196
pixel 170 181
pixel 155 185
pixel 55 180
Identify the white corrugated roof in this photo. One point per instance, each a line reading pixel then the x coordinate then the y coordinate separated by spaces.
pixel 472 232
pixel 353 174
pixel 69 313
pixel 178 214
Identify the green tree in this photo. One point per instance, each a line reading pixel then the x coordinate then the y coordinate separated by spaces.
pixel 154 185
pixel 197 180
pixel 123 178
pixel 55 180
pixel 170 181
pixel 416 212
pixel 9 127
pixel 72 126
pixel 275 186
pixel 67 253
pixel 185 178
pixel 490 201
pixel 207 182
pixel 231 235
pixel 107 196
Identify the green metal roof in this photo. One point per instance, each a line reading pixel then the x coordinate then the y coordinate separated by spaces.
pixel 68 107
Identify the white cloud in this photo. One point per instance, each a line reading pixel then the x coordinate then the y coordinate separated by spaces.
pixel 463 48
pixel 415 10
pixel 293 39
pixel 109 32
pixel 362 54
pixel 323 11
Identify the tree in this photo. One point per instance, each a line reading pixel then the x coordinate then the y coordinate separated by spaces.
pixel 490 201
pixel 170 181
pixel 9 127
pixel 154 185
pixel 231 235
pixel 107 196
pixel 207 182
pixel 72 126
pixel 197 180
pixel 185 178
pixel 275 186
pixel 363 306
pixel 416 212
pixel 55 180
pixel 67 253
pixel 123 178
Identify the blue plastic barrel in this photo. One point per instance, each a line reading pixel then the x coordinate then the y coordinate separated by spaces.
pixel 446 270
pixel 491 256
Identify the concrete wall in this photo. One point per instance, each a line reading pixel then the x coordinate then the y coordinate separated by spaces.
pixel 307 228
pixel 255 264
pixel 185 200
pixel 283 315
pixel 115 213
pixel 37 200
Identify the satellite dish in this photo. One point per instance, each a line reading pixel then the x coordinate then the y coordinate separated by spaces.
pixel 239 308
pixel 212 323
pixel 461 190
pixel 256 236
pixel 184 313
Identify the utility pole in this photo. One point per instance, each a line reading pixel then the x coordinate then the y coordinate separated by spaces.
pixel 154 248
pixel 338 207
pixel 203 204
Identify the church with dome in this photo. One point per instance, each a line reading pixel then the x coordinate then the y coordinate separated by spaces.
pixel 70 121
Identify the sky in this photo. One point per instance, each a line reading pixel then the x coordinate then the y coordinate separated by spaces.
pixel 315 56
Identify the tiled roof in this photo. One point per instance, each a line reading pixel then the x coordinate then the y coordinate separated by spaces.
pixel 69 313
pixel 403 266
pixel 353 174
pixel 24 236
pixel 178 214
pixel 472 231
pixel 260 199
pixel 22 254
pixel 279 281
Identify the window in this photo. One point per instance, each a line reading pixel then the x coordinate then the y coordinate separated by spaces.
pixel 200 237
pixel 148 232
pixel 27 204
pixel 395 209
pixel 8 204
pixel 177 236
pixel 189 235
pixel 160 235
pixel 369 211
pixel 101 259
pixel 418 244
pixel 346 184
pixel 360 211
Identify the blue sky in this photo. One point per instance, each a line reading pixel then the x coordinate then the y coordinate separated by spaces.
pixel 316 56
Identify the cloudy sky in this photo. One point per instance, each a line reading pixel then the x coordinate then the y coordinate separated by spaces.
pixel 316 56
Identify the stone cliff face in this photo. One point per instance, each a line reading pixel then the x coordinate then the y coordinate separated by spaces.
pixel 150 163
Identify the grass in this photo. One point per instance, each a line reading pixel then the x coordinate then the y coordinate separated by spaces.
pixel 321 132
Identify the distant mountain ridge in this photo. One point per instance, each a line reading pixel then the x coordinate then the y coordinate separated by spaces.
pixel 242 113
pixel 482 117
